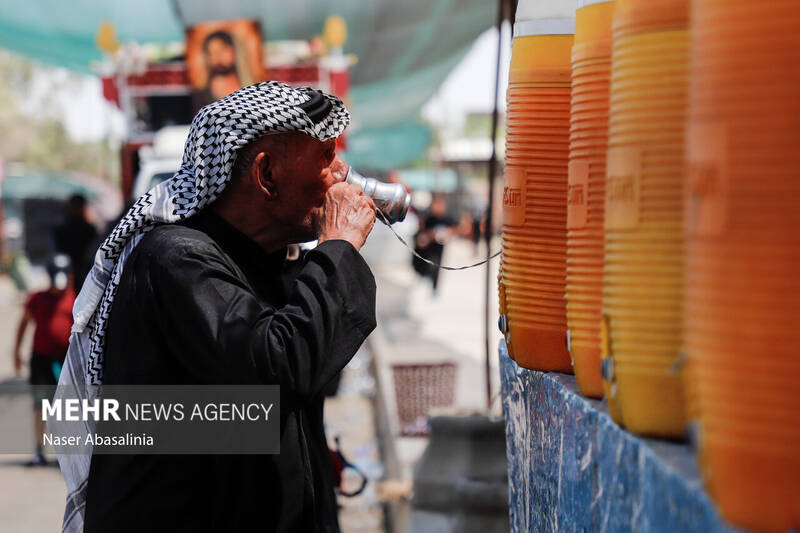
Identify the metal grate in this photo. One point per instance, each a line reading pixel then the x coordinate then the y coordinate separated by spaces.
pixel 420 388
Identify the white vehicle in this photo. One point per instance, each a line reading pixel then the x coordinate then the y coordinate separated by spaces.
pixel 160 161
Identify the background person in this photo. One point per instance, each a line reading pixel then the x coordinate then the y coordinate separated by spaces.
pixel 435 229
pixel 75 237
pixel 51 313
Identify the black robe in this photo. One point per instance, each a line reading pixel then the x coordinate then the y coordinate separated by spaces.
pixel 200 303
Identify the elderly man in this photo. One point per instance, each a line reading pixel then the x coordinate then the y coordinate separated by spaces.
pixel 194 287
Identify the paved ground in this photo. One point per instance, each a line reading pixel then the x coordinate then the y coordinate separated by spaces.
pixel 417 328
pixel 31 500
pixel 422 327
pixel 350 416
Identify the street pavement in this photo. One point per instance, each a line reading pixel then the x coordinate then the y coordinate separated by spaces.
pixel 417 326
pixel 31 499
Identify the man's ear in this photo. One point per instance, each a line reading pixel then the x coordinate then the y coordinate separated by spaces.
pixel 261 174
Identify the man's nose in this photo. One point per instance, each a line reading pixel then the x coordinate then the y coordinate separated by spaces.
pixel 339 169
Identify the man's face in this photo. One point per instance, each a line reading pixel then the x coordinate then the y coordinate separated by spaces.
pixel 220 57
pixel 309 168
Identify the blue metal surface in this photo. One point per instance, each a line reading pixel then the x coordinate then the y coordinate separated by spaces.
pixel 571 468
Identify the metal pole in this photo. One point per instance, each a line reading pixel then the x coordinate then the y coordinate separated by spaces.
pixel 176 9
pixel 488 229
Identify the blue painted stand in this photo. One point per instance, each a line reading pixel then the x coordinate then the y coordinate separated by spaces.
pixel 571 468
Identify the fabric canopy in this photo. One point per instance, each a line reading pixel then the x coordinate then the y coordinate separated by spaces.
pixel 405 49
pixel 387 148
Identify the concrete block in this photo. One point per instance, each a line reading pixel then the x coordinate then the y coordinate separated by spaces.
pixel 572 469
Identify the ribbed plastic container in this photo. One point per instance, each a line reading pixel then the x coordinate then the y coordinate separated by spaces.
pixel 533 268
pixel 743 227
pixel 591 75
pixel 643 278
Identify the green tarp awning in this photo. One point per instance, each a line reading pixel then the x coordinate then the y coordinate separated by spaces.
pixel 405 48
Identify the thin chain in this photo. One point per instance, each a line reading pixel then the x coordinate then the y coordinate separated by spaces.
pixel 437 265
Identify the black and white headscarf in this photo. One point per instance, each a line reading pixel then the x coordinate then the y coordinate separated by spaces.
pixel 217 133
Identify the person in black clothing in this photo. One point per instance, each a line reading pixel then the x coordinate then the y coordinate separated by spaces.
pixel 75 237
pixel 435 229
pixel 213 299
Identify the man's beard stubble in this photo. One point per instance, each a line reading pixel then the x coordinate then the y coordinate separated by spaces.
pixel 315 223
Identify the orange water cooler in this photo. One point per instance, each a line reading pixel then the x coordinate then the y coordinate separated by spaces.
pixel 591 75
pixel 532 277
pixel 643 276
pixel 743 246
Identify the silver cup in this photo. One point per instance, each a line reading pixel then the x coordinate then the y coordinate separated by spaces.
pixel 391 199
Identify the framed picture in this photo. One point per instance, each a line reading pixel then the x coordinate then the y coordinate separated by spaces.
pixel 222 57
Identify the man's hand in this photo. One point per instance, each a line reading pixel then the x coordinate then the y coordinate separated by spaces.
pixel 17 364
pixel 347 214
pixel 339 169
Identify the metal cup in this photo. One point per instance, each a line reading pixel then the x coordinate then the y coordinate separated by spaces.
pixel 391 199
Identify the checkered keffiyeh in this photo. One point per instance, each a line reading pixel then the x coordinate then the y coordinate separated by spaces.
pixel 217 133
